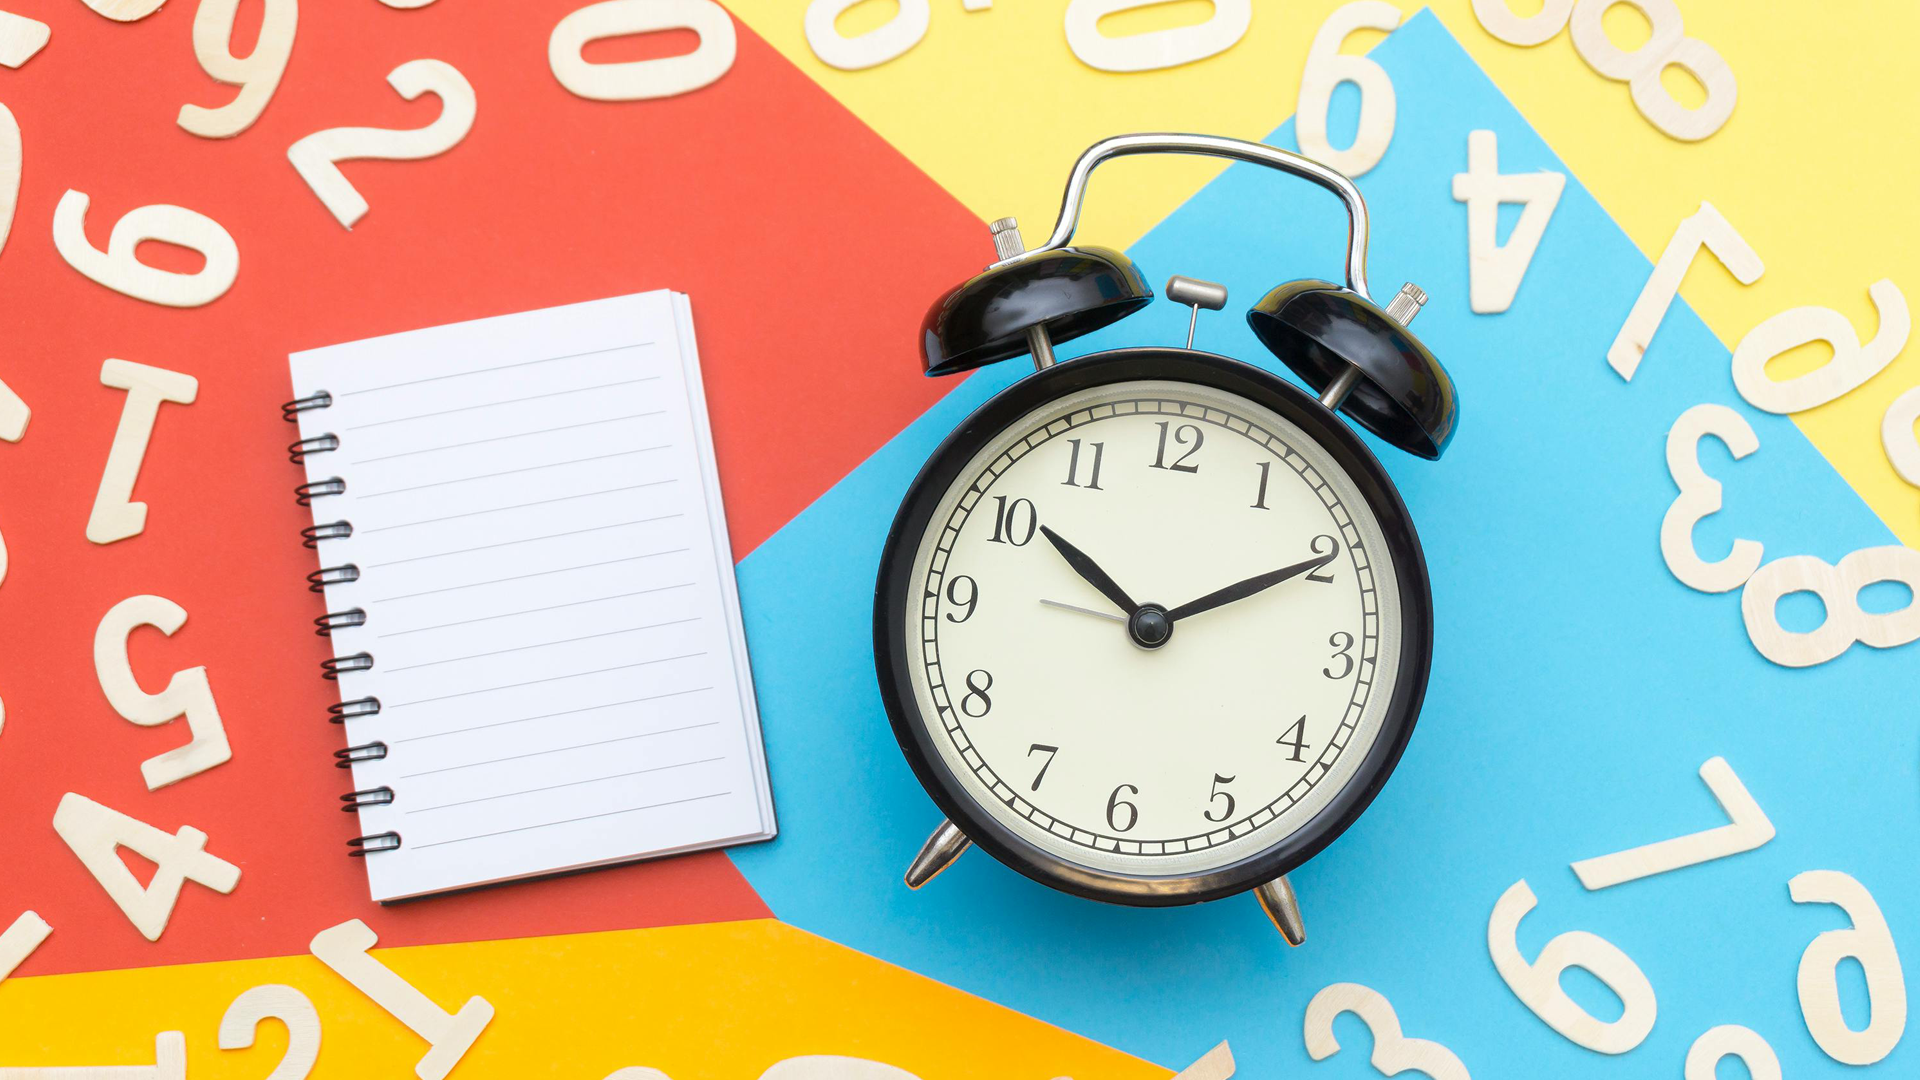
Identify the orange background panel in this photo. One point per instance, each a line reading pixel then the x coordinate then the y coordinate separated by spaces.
pixel 809 248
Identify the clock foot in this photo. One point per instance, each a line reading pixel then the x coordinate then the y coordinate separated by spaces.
pixel 1277 900
pixel 945 845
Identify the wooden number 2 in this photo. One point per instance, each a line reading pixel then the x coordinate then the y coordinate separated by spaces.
pixel 1851 364
pixel 1537 984
pixel 1700 496
pixel 317 155
pixel 639 80
pixel 1838 588
pixel 344 949
pixel 1747 828
pixel 1867 941
pixel 117 267
pixel 1706 228
pixel 1731 1040
pixel 1327 67
pixel 290 1007
pixel 257 74
pixel 1393 1052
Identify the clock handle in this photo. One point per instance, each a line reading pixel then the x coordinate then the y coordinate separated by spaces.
pixel 1213 146
pixel 945 845
pixel 1283 907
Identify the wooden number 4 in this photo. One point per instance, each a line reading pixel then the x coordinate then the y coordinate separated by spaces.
pixel 1747 828
pixel 344 949
pixel 1705 229
pixel 1496 269
pixel 95 833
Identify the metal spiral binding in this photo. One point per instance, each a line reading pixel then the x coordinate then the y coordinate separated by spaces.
pixel 354 800
pixel 326 624
pixel 319 489
pixel 311 536
pixel 346 759
pixel 319 444
pixel 364 846
pixel 344 711
pixel 290 411
pixel 335 666
pixel 332 575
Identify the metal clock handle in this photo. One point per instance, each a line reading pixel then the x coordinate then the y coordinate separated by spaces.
pixel 1215 146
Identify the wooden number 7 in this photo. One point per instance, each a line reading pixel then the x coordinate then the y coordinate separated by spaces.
pixel 1747 828
pixel 1705 229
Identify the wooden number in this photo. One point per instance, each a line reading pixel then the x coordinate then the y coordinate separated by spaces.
pixel 1870 943
pixel 406 5
pixel 20 39
pixel 1537 984
pixel 1327 68
pixel 833 1067
pixel 1747 829
pixel 125 10
pixel 1153 50
pixel 639 80
pixel 1838 588
pixel 344 949
pixel 187 694
pixel 120 270
pixel 1896 434
pixel 1731 1040
pixel 1851 364
pixel 9 175
pixel 318 155
pixel 1705 229
pixel 637 1072
pixel 14 415
pixel 282 1003
pixel 257 74
pixel 26 934
pixel 1496 269
pixel 1215 1064
pixel 1500 21
pixel 1393 1052
pixel 1640 69
pixel 169 1063
pixel 871 49
pixel 95 833
pixel 115 515
pixel 1700 496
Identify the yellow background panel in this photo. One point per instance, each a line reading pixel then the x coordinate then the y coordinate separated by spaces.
pixel 1813 168
pixel 721 1001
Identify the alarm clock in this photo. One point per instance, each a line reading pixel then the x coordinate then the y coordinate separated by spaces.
pixel 1153 626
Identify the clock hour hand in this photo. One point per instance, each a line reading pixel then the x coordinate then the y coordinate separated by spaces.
pixel 1091 571
pixel 1240 590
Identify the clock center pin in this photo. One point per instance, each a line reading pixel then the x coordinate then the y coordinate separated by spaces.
pixel 1149 627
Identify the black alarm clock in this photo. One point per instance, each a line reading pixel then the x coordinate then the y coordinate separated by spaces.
pixel 1152 625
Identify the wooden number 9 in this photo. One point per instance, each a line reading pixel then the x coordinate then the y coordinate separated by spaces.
pixel 257 74
pixel 1640 69
pixel 1867 941
pixel 1154 49
pixel 1838 588
pixel 1851 364
pixel 1731 1040
pixel 1700 496
pixel 1393 1052
pixel 282 1003
pixel 1327 68
pixel 1537 984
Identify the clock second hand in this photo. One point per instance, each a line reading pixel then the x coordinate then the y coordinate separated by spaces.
pixel 1085 611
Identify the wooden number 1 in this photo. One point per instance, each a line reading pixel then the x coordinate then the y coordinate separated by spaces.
pixel 1747 828
pixel 1706 228
pixel 169 1063
pixel 344 949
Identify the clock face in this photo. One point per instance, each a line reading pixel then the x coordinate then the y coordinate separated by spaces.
pixel 1194 729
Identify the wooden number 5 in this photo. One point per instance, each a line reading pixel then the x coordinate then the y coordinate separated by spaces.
pixel 1393 1053
pixel 317 155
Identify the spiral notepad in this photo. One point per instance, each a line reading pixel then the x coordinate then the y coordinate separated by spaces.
pixel 530 596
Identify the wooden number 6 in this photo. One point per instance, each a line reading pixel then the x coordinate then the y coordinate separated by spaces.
pixel 290 1007
pixel 120 270
pixel 316 155
pixel 1393 1052
pixel 1700 496
pixel 1537 984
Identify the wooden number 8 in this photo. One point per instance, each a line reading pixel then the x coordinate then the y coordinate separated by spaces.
pixel 1838 587
pixel 1641 68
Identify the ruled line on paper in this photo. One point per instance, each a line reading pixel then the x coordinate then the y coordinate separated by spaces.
pixel 551 715
pixel 571 821
pixel 536 682
pixel 560 750
pixel 533 611
pixel 568 784
pixel 527 540
pixel 535 574
pixel 543 644
pixel 504 438
pixel 502 367
pixel 519 506
pixel 496 404
pixel 511 472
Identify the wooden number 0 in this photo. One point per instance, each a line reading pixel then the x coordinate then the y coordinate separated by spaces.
pixel 317 155
pixel 639 80
pixel 1153 50
pixel 1393 1052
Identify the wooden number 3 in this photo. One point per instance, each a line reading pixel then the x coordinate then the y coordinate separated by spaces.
pixel 317 155
pixel 1393 1052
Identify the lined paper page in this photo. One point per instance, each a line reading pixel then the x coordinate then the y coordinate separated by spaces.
pixel 549 593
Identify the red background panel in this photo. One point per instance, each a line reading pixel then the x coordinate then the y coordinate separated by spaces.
pixel 809 247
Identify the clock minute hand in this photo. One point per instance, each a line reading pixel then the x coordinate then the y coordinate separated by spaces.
pixel 1091 571
pixel 1242 589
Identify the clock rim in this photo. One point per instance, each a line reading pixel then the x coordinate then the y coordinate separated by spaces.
pixel 894 588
